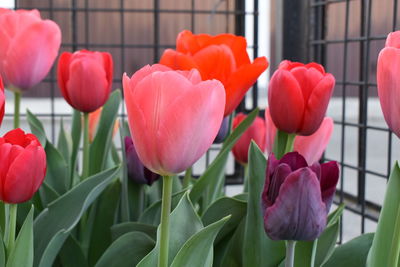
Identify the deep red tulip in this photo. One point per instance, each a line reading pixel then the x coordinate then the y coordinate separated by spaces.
pixel 22 168
pixel 2 101
pixel 85 78
pixel 255 132
pixel 298 96
pixel 223 57
pixel 173 116
pixel 137 172
pixel 297 197
pixel 389 81
pixel 28 47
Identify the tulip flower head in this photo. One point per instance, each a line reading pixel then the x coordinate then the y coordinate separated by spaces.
pixel 298 96
pixel 223 57
pixel 389 81
pixel 23 166
pixel 2 100
pixel 85 79
pixel 137 172
pixel 173 116
pixel 255 132
pixel 28 47
pixel 296 198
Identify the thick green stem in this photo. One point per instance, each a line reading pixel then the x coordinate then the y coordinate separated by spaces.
pixel 164 227
pixel 17 103
pixel 187 178
pixel 85 165
pixel 290 244
pixel 283 143
pixel 12 227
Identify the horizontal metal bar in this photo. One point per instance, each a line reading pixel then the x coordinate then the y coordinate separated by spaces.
pixel 349 40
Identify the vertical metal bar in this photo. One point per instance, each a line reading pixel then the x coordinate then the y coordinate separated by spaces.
pixel 74 26
pixel 240 30
pixel 156 29
pixel 52 109
pixel 192 17
pixel 87 32
pixel 255 51
pixel 122 50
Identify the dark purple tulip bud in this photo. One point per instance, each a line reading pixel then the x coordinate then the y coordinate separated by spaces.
pixel 297 197
pixel 223 131
pixel 137 172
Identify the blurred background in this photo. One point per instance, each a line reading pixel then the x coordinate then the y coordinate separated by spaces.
pixel 343 35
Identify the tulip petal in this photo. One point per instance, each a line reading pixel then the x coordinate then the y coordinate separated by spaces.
pixel 241 81
pixel 393 40
pixel 311 147
pixel 298 212
pixel 108 67
pixel 63 74
pixel 294 160
pixel 270 132
pixel 329 180
pixel 307 79
pixel 271 166
pixel 281 172
pixel 285 101
pixel 177 61
pixel 187 42
pixel 2 101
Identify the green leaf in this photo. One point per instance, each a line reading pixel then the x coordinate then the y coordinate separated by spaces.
pixel 221 208
pixel 198 250
pixel 232 255
pixel 126 213
pixel 53 225
pixel 71 254
pixel 106 207
pixel 56 177
pixel 136 199
pixel 264 252
pixel 36 127
pixel 2 252
pixel 76 130
pixel 211 177
pixel 353 253
pixel 64 144
pixel 304 253
pixel 126 227
pixel 127 250
pixel 102 142
pixel 22 252
pixel 385 248
pixel 184 222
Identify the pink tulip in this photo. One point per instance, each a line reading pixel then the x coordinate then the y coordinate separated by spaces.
pixel 310 147
pixel 2 100
pixel 389 81
pixel 28 47
pixel 173 116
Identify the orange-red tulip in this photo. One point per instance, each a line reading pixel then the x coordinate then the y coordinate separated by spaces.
pixel 85 79
pixel 94 119
pixel 22 168
pixel 173 116
pixel 222 57
pixel 28 47
pixel 298 96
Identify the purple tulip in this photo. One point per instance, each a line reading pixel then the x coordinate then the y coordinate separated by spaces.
pixel 223 131
pixel 297 197
pixel 137 172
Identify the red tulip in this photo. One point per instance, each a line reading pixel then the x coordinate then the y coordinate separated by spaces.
pixel 94 119
pixel 255 132
pixel 2 100
pixel 85 79
pixel 222 57
pixel 389 81
pixel 22 168
pixel 173 116
pixel 298 96
pixel 28 47
pixel 310 147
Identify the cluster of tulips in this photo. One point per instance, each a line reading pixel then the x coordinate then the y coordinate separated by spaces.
pixel 114 208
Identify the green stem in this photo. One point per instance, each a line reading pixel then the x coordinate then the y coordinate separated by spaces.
pixel 17 103
pixel 12 227
pixel 289 143
pixel 187 178
pixel 246 178
pixel 290 244
pixel 164 227
pixel 283 143
pixel 85 170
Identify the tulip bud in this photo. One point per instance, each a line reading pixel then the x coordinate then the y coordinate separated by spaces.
pixel 23 166
pixel 2 100
pixel 137 172
pixel 85 79
pixel 296 198
pixel 298 96
pixel 223 131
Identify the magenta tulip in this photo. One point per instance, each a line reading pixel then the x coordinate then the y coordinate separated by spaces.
pixel 389 81
pixel 173 116
pixel 298 96
pixel 28 47
pixel 296 198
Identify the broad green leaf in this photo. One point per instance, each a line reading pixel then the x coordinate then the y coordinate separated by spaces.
pixel 76 130
pixel 57 176
pixel 211 177
pixel 106 207
pixel 223 207
pixel 198 250
pixel 22 252
pixel 64 144
pixel 53 225
pixel 101 145
pixel 184 223
pixel 136 200
pixel 232 255
pixel 264 252
pixel 334 216
pixel 385 248
pixel 47 194
pixel 2 252
pixel 353 253
pixel 127 250
pixel 36 127
pixel 127 227
pixel 71 254
pixel 126 209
